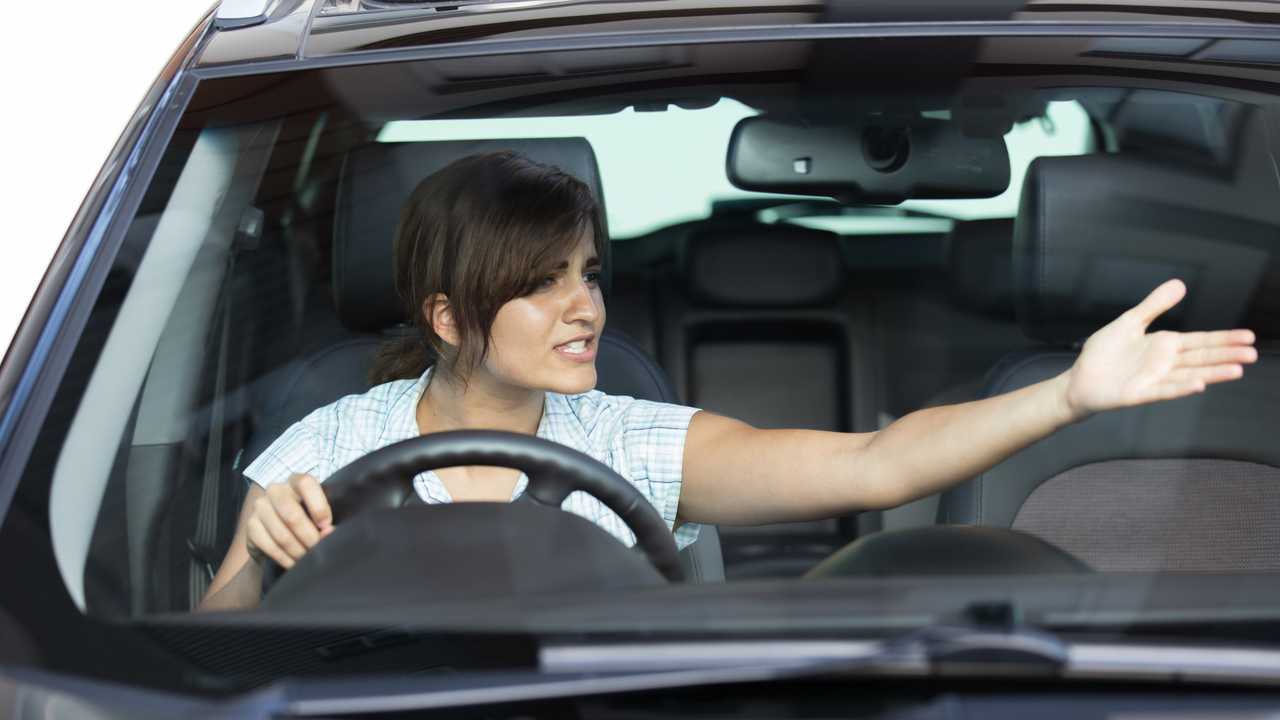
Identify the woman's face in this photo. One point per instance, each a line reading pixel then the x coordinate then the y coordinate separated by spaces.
pixel 547 340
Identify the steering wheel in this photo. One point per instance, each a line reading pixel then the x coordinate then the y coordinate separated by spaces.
pixel 384 479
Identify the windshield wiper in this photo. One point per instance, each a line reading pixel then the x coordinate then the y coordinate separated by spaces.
pixel 984 644
pixel 989 639
pixel 985 639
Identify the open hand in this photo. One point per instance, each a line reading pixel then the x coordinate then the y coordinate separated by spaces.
pixel 1123 365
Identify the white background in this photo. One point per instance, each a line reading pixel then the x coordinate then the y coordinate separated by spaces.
pixel 74 73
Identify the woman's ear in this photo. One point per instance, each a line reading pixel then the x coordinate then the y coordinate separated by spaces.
pixel 439 316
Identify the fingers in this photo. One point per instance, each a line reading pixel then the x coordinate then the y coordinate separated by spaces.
pixel 289 511
pixel 283 532
pixel 1207 356
pixel 261 544
pixel 288 520
pixel 314 500
pixel 1158 302
pixel 1218 338
pixel 1206 375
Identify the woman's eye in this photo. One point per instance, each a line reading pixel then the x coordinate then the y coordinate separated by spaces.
pixel 546 282
pixel 592 277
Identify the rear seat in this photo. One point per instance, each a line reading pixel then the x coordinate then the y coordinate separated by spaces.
pixel 943 319
pixel 730 304
pixel 760 323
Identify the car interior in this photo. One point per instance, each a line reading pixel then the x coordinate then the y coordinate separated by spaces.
pixel 762 309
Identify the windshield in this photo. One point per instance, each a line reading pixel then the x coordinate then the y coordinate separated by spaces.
pixel 816 336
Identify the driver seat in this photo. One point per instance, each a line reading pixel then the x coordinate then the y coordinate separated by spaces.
pixel 374 182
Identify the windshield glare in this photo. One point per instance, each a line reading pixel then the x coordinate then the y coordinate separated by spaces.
pixel 635 280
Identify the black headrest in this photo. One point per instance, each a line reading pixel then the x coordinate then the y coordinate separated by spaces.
pixel 376 180
pixel 763 266
pixel 981 259
pixel 1096 233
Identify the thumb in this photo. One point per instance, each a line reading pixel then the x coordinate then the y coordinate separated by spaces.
pixel 1160 301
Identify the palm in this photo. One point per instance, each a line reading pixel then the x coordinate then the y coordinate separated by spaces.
pixel 1123 365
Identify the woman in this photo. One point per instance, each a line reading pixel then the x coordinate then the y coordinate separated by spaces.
pixel 497 259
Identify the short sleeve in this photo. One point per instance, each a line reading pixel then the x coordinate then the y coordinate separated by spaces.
pixel 654 436
pixel 295 451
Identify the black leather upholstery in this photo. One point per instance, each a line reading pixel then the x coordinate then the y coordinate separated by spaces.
pixel 1093 236
pixel 758 266
pixel 623 368
pixel 806 333
pixel 980 259
pixel 375 181
pixel 760 323
pixel 313 381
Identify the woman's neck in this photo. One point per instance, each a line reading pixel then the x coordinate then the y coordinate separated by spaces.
pixel 449 404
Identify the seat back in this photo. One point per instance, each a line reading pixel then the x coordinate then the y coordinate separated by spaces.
pixel 375 181
pixel 760 324
pixel 1191 484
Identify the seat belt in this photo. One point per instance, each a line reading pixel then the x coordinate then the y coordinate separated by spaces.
pixel 203 544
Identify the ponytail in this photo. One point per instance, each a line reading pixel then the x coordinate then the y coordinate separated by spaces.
pixel 402 357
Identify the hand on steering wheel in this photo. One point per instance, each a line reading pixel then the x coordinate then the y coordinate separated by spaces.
pixel 287 521
pixel 384 479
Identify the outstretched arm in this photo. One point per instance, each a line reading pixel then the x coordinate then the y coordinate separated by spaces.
pixel 737 474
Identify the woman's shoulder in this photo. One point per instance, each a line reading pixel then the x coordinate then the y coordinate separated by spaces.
pixel 597 409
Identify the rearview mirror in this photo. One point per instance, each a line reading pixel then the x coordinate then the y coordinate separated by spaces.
pixel 867 161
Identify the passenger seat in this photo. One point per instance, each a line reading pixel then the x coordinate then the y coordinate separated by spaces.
pixel 1186 485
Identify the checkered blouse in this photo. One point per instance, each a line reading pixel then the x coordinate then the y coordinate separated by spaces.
pixel 642 441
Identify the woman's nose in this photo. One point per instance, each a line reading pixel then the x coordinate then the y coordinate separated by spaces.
pixel 583 304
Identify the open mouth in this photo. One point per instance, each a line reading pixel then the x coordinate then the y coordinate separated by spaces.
pixel 582 349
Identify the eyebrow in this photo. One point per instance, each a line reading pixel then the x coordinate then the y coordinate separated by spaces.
pixel 593 260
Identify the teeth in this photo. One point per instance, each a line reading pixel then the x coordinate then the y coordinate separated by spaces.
pixel 575 347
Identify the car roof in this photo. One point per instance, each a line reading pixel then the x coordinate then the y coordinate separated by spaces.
pixel 250 31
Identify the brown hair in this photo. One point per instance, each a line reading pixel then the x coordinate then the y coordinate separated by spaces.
pixel 482 231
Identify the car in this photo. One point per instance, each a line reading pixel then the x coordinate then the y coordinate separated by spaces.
pixel 820 215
